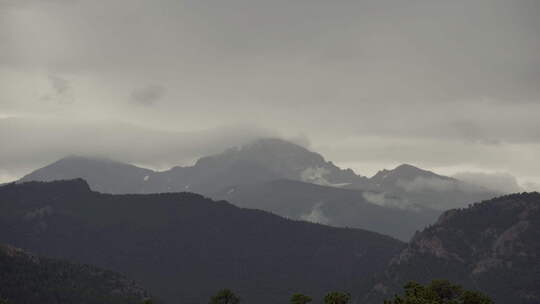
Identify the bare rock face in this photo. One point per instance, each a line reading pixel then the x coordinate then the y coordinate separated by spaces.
pixel 426 245
pixel 508 243
pixel 492 246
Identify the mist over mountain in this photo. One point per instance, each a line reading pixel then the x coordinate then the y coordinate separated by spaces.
pixel 492 246
pixel 270 148
pixel 259 161
pixel 428 189
pixel 408 198
pixel 331 206
pixel 184 247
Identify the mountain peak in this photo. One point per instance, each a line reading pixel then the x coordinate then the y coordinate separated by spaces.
pixel 405 172
pixel 279 158
pixel 278 146
pixel 273 153
pixel 412 170
pixel 105 175
pixel 407 167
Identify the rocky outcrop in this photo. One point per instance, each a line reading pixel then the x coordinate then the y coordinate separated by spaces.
pixel 491 246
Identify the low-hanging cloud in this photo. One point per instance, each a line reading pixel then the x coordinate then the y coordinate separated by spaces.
pixel 386 200
pixel 421 183
pixel 316 215
pixel 148 95
pixel 59 84
pixel 497 182
pixel 61 90
pixel 32 143
pixel 340 71
pixel 531 186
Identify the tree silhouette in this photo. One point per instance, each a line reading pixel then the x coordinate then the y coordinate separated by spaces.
pixel 438 292
pixel 225 296
pixel 337 298
pixel 299 298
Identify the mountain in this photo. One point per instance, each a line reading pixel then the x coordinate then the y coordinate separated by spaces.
pixel 404 172
pixel 259 161
pixel 263 161
pixel 427 189
pixel 410 197
pixel 185 247
pixel 283 160
pixel 26 278
pixel 492 246
pixel 331 206
pixel 103 174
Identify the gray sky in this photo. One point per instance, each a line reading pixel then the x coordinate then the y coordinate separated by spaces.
pixel 450 86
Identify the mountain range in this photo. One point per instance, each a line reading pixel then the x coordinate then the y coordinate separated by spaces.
pixel 410 197
pixel 183 247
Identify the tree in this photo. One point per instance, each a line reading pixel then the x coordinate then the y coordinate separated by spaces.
pixel 3 301
pixel 225 296
pixel 438 292
pixel 299 298
pixel 337 298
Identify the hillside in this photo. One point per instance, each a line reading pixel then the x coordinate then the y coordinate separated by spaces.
pixel 493 246
pixel 331 206
pixel 26 278
pixel 184 247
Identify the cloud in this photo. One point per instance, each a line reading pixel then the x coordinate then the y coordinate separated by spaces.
pixel 375 198
pixel 385 200
pixel 148 95
pixel 497 182
pixel 421 183
pixel 382 77
pixel 531 186
pixel 316 215
pixel 35 142
pixel 301 140
pixel 317 176
pixel 60 85
pixel 62 92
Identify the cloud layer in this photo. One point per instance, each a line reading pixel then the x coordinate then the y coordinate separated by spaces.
pixel 450 85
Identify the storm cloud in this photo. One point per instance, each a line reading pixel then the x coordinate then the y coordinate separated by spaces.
pixel 148 95
pixel 449 85
pixel 497 182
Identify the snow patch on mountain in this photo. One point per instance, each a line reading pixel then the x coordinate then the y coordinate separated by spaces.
pixel 317 176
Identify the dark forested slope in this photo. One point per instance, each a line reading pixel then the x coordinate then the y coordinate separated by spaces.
pixel 28 279
pixel 184 247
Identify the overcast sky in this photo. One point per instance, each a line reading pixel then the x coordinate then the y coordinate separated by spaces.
pixel 450 86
